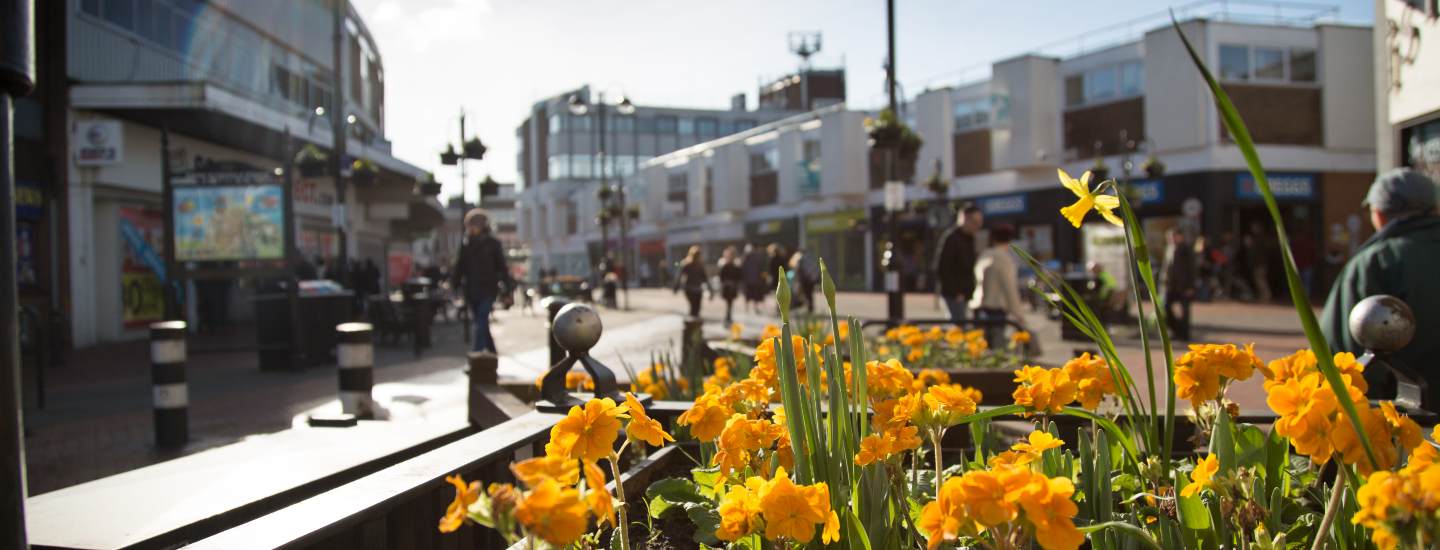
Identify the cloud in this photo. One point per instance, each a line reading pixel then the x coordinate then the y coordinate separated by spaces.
pixel 420 25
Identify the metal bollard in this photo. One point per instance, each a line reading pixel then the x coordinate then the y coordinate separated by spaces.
pixel 692 340
pixel 552 306
pixel 167 374
pixel 355 353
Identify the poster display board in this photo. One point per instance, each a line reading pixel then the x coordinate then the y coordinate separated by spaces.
pixel 142 294
pixel 229 222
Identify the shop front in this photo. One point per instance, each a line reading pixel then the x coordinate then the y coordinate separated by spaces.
pixel 782 231
pixel 839 239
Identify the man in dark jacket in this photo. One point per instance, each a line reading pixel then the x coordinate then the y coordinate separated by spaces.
pixel 1401 259
pixel 480 270
pixel 1179 283
pixel 954 263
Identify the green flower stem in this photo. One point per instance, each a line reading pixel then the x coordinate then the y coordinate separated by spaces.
pixel 624 526
pixel 1322 536
pixel 935 436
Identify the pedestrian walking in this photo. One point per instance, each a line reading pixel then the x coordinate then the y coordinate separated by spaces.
pixel 752 276
pixel 1400 259
pixel 779 263
pixel 997 286
pixel 692 278
pixel 1263 252
pixel 954 264
pixel 805 272
pixel 730 277
pixel 480 270
pixel 1178 279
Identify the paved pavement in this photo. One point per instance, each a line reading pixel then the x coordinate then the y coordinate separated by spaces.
pixel 97 421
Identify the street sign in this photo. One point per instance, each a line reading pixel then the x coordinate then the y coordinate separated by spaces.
pixel 894 196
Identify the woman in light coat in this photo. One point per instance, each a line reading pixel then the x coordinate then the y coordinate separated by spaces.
pixel 997 288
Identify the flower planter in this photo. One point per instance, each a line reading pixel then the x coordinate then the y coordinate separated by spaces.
pixel 668 461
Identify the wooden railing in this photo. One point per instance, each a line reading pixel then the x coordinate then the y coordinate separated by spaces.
pixel 400 506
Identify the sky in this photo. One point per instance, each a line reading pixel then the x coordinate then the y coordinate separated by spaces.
pixel 494 58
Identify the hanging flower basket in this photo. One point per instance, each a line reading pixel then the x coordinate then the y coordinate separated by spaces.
pixel 311 162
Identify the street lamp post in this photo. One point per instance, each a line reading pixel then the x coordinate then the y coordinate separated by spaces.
pixel 579 107
pixel 340 133
pixel 895 298
pixel 17 78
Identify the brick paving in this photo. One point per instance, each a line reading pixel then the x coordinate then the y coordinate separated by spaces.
pixel 98 418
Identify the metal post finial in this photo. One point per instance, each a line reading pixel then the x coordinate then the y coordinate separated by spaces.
pixel 576 328
pixel 1382 323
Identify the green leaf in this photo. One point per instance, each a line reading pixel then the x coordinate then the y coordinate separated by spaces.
pixel 827 286
pixel 856 537
pixel 782 295
pixel 1325 362
pixel 615 540
pixel 1222 442
pixel 1130 530
pixel 1249 446
pixel 1277 455
pixel 670 492
pixel 706 521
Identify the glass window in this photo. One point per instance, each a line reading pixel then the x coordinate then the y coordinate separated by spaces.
pixel 1302 65
pixel 579 123
pixel 644 125
pixel 619 124
pixel 582 166
pixel 1234 62
pixel 744 124
pixel 91 7
pixel 763 161
pixel 1100 84
pixel 1269 64
pixel 707 126
pixel 555 122
pixel 727 127
pixel 1132 77
pixel 687 126
pixel 665 124
pixel 1074 90
pixel 145 19
pixel 120 12
pixel 559 167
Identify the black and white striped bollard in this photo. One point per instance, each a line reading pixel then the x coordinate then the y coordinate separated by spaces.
pixel 355 353
pixel 167 374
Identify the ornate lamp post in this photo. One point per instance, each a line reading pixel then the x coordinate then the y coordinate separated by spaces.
pixel 579 107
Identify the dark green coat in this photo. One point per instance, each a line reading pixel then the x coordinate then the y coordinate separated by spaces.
pixel 1402 260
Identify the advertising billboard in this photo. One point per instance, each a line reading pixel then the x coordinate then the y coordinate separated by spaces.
pixel 229 222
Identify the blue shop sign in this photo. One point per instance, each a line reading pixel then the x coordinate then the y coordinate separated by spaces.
pixel 1148 191
pixel 1285 186
pixel 1002 205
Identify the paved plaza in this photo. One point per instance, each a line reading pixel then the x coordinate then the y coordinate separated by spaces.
pixel 97 419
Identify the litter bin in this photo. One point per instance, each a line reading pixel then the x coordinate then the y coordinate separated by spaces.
pixel 321 308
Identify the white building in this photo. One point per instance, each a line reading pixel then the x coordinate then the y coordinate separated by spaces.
pixel 229 80
pixel 1304 89
pixel 1407 85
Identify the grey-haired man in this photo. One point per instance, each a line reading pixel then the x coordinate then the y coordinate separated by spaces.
pixel 1401 259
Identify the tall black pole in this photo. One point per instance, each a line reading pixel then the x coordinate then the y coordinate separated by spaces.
pixel 895 298
pixel 167 207
pixel 340 126
pixel 604 183
pixel 17 78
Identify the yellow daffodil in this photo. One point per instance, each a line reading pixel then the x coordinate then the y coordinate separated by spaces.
pixel 1088 200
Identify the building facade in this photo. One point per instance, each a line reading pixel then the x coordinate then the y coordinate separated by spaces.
pixel 238 87
pixel 811 181
pixel 1407 85
pixel 560 170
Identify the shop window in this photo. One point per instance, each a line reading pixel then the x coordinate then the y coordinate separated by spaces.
pixel 707 127
pixel 1234 62
pixel 1074 90
pixel 1269 64
pixel 1132 79
pixel 120 12
pixel 1302 65
pixel 1100 85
